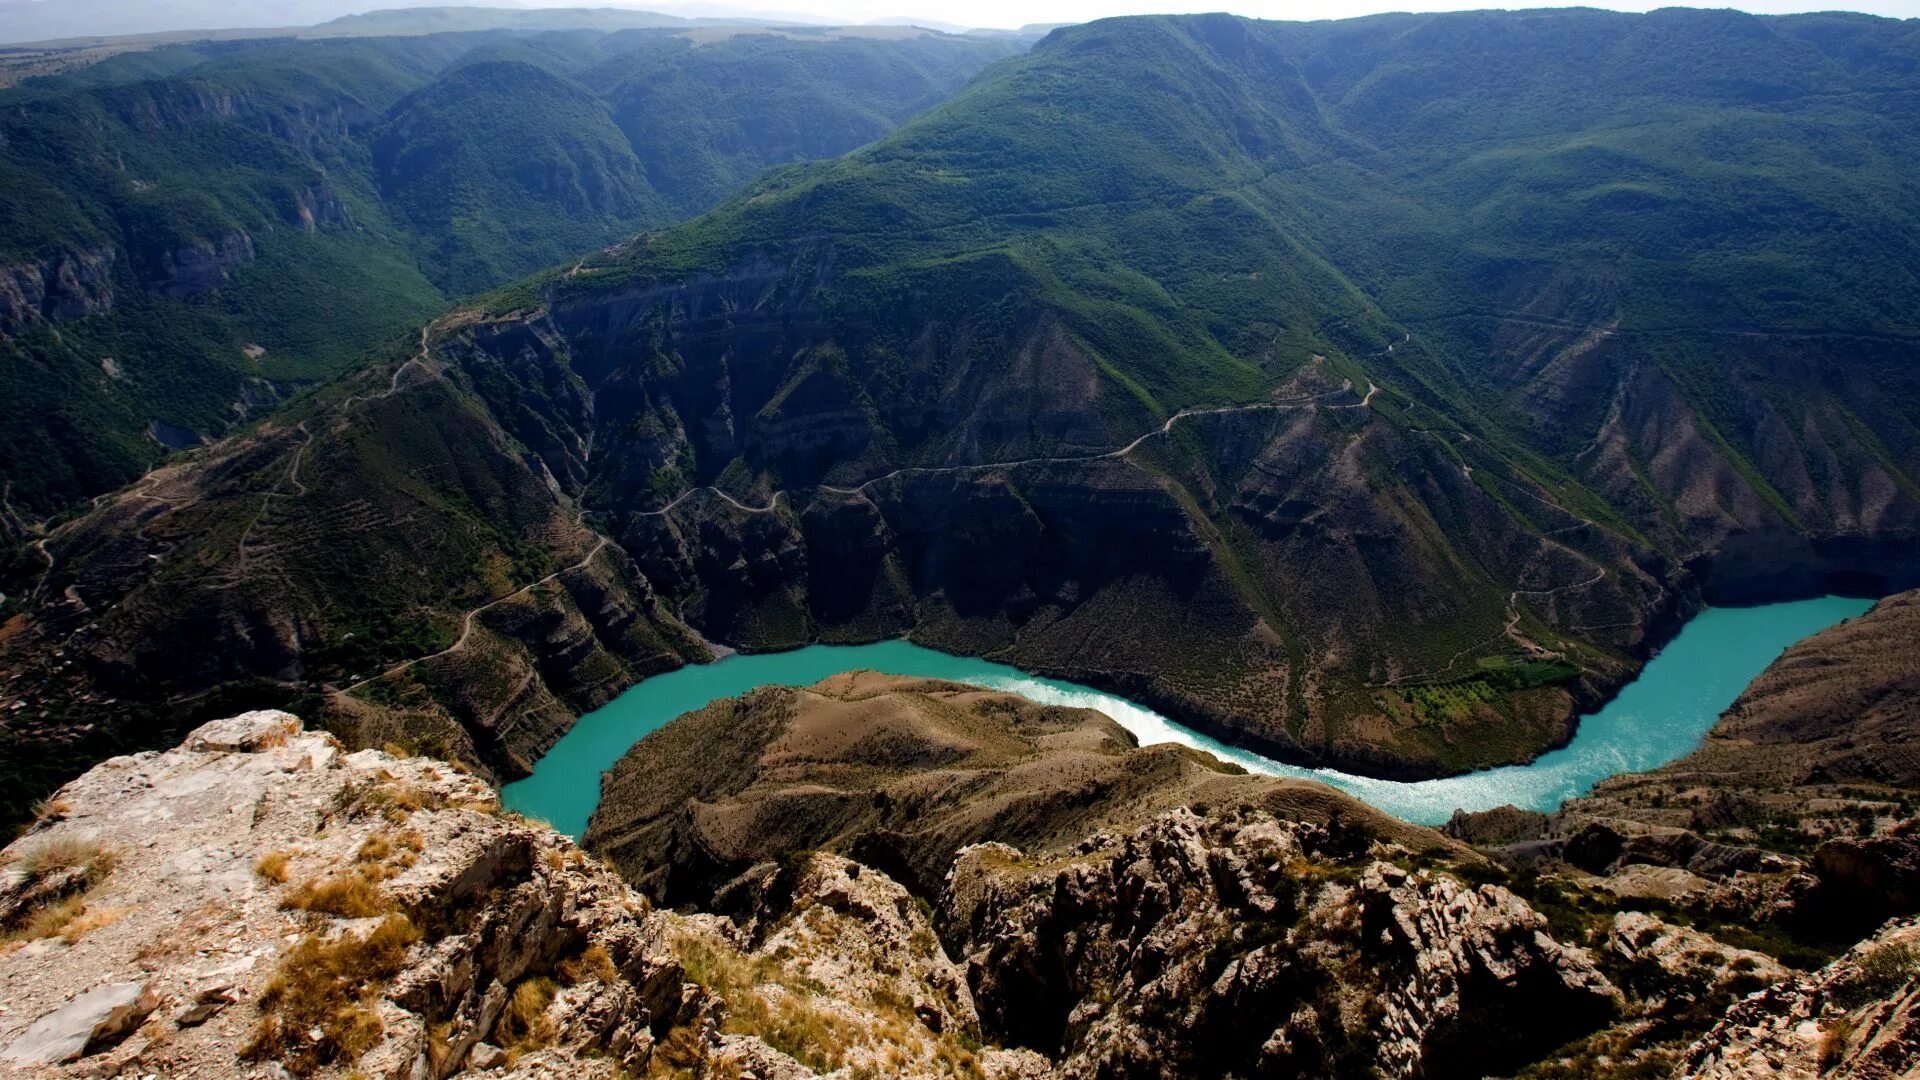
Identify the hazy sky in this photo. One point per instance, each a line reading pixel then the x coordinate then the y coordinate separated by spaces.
pixel 32 20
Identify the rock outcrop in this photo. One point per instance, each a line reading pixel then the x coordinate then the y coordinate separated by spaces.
pixel 68 286
pixel 1474 983
pixel 260 898
pixel 1859 1017
pixel 1231 946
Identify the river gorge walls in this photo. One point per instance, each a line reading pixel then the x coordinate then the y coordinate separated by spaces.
pixel 1774 564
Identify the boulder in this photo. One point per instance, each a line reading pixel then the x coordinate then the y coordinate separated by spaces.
pixel 485 1055
pixel 88 1023
pixel 1855 884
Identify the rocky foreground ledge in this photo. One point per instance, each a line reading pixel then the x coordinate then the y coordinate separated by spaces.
pixel 260 902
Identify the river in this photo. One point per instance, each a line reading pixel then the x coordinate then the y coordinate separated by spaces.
pixel 1660 716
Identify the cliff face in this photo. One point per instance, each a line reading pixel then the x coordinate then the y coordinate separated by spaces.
pixel 776 473
pixel 1857 1017
pixel 69 286
pixel 1214 946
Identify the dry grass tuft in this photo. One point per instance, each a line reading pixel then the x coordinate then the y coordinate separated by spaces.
pixel 59 873
pixel 66 853
pixel 788 1022
pixel 1833 1043
pixel 593 964
pixel 90 920
pixel 273 867
pixel 374 848
pixel 524 1024
pixel 332 988
pixel 45 921
pixel 349 896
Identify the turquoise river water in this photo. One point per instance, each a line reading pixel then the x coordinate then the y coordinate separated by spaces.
pixel 1658 717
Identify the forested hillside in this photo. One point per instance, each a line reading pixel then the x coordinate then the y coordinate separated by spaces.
pixel 189 234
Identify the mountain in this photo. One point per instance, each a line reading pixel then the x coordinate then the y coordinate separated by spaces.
pixel 1372 393
pixel 190 234
pixel 432 20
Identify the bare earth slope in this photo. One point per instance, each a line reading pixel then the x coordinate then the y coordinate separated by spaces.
pixel 902 773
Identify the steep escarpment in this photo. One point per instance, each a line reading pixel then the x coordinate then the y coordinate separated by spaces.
pixel 1042 505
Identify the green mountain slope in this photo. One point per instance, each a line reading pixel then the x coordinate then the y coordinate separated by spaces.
pixel 188 235
pixel 1334 387
pixel 571 181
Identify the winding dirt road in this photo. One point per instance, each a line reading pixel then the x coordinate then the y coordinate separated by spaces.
pixel 466 624
pixel 933 470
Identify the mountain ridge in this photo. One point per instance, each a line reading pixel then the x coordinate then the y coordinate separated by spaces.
pixel 1398 545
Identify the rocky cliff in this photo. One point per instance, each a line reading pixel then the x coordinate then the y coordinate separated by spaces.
pixel 1857 1017
pixel 259 899
pixel 1244 945
pixel 1128 911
